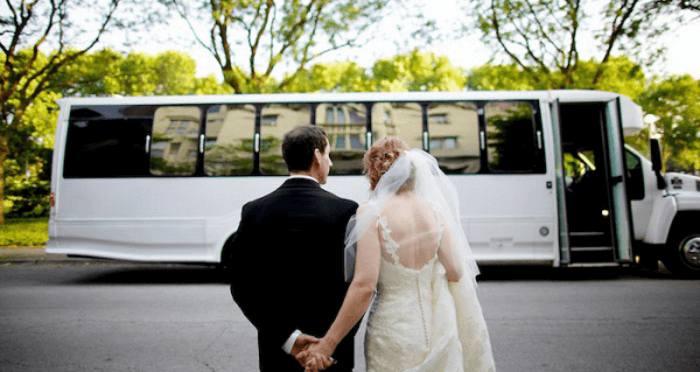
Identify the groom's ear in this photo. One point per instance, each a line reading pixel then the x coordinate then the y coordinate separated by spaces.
pixel 318 156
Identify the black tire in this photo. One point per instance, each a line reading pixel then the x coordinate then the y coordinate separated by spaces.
pixel 682 255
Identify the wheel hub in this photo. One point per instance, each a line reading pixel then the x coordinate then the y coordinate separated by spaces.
pixel 691 251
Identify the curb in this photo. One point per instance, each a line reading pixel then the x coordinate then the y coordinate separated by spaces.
pixel 31 255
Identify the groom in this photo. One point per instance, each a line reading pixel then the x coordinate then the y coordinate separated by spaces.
pixel 287 257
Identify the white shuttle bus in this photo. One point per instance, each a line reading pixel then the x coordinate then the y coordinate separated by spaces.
pixel 544 177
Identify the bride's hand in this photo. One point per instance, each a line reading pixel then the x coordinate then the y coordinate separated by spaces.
pixel 317 362
pixel 320 355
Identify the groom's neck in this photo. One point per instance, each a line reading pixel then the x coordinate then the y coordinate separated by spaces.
pixel 303 173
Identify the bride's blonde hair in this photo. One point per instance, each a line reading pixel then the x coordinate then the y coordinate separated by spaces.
pixel 379 158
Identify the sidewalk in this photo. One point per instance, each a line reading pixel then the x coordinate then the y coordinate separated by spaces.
pixel 30 255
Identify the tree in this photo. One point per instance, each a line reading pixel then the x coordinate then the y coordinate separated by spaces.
pixel 416 71
pixel 25 27
pixel 250 39
pixel 544 37
pixel 675 101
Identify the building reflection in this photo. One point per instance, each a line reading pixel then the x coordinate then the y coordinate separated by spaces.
pixel 230 130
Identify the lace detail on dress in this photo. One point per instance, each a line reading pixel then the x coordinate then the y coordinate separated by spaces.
pixel 390 246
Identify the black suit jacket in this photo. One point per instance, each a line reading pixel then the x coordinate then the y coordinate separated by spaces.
pixel 287 268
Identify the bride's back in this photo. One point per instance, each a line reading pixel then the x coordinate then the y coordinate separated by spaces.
pixel 410 222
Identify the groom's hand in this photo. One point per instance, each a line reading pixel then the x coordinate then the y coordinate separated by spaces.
pixel 300 344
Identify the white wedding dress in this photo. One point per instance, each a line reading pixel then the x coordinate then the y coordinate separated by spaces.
pixel 419 321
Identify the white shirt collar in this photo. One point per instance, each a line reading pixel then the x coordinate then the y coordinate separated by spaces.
pixel 303 176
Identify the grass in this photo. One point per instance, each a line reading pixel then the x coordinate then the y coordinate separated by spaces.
pixel 24 232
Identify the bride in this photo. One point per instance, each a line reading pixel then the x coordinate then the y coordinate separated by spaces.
pixel 412 251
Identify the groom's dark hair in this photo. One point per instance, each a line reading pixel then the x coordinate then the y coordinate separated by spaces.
pixel 299 145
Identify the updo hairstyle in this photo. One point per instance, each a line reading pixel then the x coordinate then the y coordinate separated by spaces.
pixel 379 158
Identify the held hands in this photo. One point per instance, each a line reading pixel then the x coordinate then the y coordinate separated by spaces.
pixel 301 343
pixel 317 356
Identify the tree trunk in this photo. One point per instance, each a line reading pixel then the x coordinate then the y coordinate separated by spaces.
pixel 3 155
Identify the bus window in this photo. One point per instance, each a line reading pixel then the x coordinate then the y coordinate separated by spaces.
pixel 99 146
pixel 511 137
pixel 228 146
pixel 635 178
pixel 174 146
pixel 346 127
pixel 454 136
pixel 275 121
pixel 403 120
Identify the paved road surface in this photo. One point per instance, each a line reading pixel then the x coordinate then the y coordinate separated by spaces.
pixel 126 317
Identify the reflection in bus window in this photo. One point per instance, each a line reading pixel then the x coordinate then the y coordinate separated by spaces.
pixel 510 133
pixel 276 120
pixel 345 124
pixel 454 136
pixel 174 144
pixel 228 149
pixel 403 120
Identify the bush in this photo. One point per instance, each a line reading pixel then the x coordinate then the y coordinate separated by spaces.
pixel 24 232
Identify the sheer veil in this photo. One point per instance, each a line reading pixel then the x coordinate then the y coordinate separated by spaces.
pixel 430 184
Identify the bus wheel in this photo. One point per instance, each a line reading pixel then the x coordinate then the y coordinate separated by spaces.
pixel 683 255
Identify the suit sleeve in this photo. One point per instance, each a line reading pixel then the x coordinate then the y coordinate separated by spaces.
pixel 248 286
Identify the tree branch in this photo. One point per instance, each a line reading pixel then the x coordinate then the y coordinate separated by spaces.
pixel 290 38
pixel 254 45
pixel 182 15
pixel 625 13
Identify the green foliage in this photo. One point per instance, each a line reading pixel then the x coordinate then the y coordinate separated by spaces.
pixel 620 75
pixel 413 71
pixel 107 72
pixel 24 232
pixel 417 71
pixel 676 102
pixel 331 77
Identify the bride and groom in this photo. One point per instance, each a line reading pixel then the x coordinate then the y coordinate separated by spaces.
pixel 404 250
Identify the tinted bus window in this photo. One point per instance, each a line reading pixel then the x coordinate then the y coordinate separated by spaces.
pixel 511 137
pixel 403 120
pixel 174 146
pixel 635 178
pixel 454 136
pixel 228 146
pixel 275 121
pixel 104 147
pixel 346 127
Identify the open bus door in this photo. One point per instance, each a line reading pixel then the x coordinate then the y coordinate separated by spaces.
pixel 593 210
pixel 621 210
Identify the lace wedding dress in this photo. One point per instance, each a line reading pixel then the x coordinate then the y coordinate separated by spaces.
pixel 419 321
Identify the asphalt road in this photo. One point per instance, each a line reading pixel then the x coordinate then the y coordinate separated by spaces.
pixel 125 317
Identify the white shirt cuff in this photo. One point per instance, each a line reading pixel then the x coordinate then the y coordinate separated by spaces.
pixel 287 347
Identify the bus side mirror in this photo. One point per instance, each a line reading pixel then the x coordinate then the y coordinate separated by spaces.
pixel 656 162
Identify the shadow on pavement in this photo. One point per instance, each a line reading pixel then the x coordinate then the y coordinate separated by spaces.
pixel 153 274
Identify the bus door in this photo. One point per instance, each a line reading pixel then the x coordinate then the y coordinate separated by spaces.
pixel 621 211
pixel 564 254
